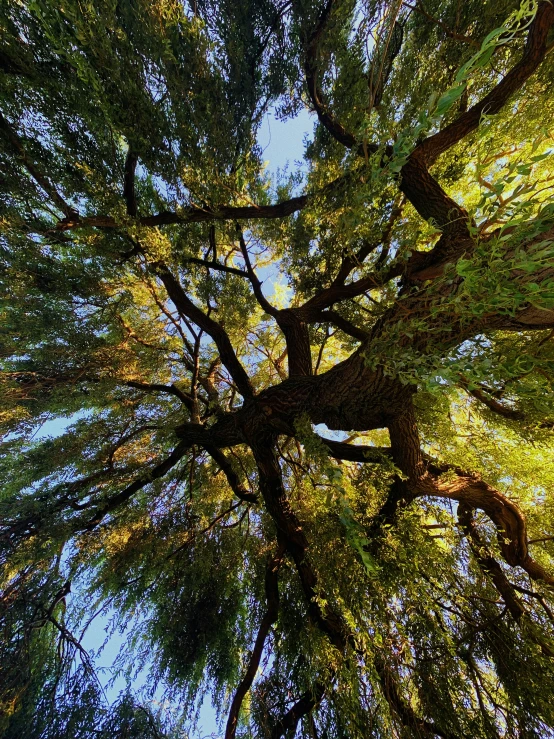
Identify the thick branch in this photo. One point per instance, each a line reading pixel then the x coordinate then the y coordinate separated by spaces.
pixel 187 308
pixel 224 433
pixel 338 292
pixel 356 453
pixel 504 513
pixel 535 51
pixel 301 708
pixel 289 527
pixel 232 478
pixel 424 479
pixel 297 338
pixel 421 188
pixel 193 215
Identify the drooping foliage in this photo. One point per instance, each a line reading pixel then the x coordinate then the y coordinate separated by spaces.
pixel 290 435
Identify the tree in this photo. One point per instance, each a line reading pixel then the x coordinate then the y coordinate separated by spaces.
pixel 307 455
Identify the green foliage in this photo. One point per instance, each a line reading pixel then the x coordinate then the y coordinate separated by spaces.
pixel 105 508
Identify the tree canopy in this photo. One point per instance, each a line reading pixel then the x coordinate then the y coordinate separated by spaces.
pixel 306 458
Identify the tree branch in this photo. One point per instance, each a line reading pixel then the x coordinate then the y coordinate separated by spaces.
pixel 424 479
pixel 256 284
pixel 301 708
pixel 159 388
pixel 117 500
pixel 311 70
pixel 217 266
pixel 232 478
pixel 187 308
pixel 289 527
pixel 43 181
pixel 493 405
pixel 129 183
pixel 354 452
pixel 334 318
pixel 270 616
pixel 193 214
pixel 403 710
pixel 488 564
pixel 535 51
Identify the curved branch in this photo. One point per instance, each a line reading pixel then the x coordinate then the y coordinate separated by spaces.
pixel 311 69
pixel 188 309
pixel 493 405
pixel 232 478
pixel 535 51
pixel 41 179
pixel 504 513
pixel 252 276
pixel 301 708
pixel 270 616
pixel 493 570
pixel 488 564
pixel 153 387
pixel 424 479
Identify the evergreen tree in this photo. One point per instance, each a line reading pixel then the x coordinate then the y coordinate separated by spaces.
pixel 307 457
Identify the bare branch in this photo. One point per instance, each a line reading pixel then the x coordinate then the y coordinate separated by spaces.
pixel 356 453
pixel 193 215
pixel 217 266
pixel 232 478
pixel 256 284
pixel 150 387
pixel 188 309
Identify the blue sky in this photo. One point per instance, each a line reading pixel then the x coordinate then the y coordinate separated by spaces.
pixel 283 141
